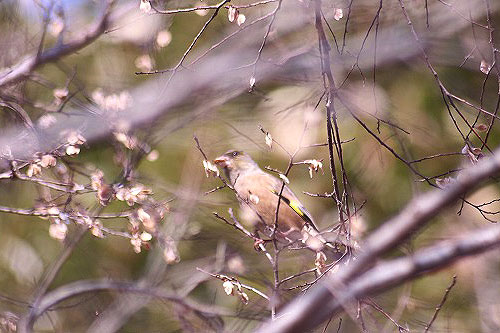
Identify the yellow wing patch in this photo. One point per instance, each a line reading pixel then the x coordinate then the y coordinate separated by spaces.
pixel 297 208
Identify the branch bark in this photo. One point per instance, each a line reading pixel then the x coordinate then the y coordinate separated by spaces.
pixel 25 67
pixel 318 305
pixel 74 289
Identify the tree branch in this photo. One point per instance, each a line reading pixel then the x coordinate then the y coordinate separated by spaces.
pixel 311 310
pixel 28 65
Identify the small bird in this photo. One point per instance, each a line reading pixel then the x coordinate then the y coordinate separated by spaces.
pixel 258 193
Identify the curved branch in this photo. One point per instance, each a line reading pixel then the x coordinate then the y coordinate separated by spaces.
pixel 311 310
pixel 70 290
pixel 25 67
pixel 388 275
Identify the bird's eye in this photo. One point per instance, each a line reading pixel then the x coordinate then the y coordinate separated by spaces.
pixel 235 153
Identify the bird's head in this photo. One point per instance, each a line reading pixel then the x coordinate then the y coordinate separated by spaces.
pixel 235 161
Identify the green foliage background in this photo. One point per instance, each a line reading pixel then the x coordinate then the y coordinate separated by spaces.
pixel 407 94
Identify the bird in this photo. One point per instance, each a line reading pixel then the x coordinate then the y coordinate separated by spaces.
pixel 258 193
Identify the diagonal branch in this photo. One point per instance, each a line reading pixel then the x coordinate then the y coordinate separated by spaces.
pixel 25 67
pixel 384 277
pixel 311 310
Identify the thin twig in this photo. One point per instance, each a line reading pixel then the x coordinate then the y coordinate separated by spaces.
pixel 440 305
pixel 228 278
pixel 25 67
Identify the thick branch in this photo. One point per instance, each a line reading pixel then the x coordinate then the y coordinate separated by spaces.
pixel 310 310
pixel 390 274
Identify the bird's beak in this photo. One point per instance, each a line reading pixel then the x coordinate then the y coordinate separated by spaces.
pixel 223 161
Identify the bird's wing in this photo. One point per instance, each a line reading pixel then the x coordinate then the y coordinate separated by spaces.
pixel 288 197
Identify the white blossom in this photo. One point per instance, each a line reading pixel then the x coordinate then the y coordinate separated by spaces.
pixel 145 6
pixel 58 231
pixel 338 14
pixel 210 169
pixel 146 236
pixel 33 170
pixel 232 14
pixel 48 161
pixel 228 287
pixel 72 150
pixel 284 178
pixel 241 19
pixel 163 38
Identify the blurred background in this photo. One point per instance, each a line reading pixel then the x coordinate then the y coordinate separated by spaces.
pixel 123 166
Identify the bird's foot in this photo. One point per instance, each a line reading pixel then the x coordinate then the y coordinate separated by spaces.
pixel 259 244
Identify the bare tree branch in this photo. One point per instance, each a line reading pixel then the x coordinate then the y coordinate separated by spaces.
pixel 310 310
pixel 28 65
pixel 74 289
